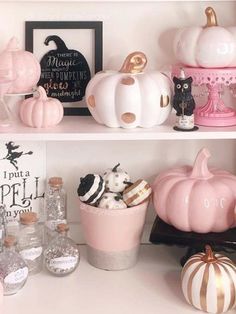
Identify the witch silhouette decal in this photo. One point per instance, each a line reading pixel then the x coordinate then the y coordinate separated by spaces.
pixel 13 155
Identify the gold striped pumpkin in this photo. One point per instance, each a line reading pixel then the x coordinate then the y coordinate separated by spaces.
pixel 137 193
pixel 209 282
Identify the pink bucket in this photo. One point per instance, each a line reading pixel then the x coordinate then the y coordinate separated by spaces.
pixel 1 298
pixel 113 236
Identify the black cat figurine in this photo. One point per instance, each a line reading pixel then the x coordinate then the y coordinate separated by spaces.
pixel 183 103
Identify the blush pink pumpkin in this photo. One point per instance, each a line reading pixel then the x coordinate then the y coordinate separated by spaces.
pixel 20 67
pixel 196 199
pixel 41 111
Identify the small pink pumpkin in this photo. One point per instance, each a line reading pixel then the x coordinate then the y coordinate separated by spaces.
pixel 41 111
pixel 20 67
pixel 196 199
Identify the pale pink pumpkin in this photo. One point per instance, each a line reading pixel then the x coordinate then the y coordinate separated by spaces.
pixel 41 111
pixel 194 198
pixel 20 67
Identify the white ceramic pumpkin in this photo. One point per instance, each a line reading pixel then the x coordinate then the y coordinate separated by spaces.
pixel 211 46
pixel 111 200
pixel 41 111
pixel 116 179
pixel 209 282
pixel 129 98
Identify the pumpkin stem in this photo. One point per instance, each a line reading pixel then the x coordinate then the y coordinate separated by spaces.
pixel 57 40
pixel 128 183
pixel 200 168
pixel 42 93
pixel 134 63
pixel 209 256
pixel 13 44
pixel 118 198
pixel 115 168
pixel 211 17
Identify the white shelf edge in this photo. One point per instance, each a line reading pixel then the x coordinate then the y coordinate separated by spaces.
pixel 7 1
pixel 78 128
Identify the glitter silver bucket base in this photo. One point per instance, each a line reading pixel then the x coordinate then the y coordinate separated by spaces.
pixel 112 260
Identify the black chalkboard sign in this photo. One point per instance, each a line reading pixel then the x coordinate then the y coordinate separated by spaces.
pixel 65 69
pixel 65 73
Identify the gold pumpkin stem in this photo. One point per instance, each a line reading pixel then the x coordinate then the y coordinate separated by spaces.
pixel 134 63
pixel 209 256
pixel 211 17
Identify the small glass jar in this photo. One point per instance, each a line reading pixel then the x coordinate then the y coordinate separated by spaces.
pixel 2 225
pixel 62 256
pixel 55 207
pixel 13 269
pixel 30 243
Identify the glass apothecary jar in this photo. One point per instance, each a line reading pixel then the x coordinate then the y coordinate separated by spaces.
pixel 62 256
pixel 54 207
pixel 30 242
pixel 2 225
pixel 13 269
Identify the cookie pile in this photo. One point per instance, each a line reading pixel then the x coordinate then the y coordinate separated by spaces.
pixel 113 189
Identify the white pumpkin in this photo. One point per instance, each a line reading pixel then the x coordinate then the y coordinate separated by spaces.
pixel 116 179
pixel 130 97
pixel 112 201
pixel 210 46
pixel 209 282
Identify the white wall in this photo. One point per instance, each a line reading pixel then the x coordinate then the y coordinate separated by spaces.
pixel 128 26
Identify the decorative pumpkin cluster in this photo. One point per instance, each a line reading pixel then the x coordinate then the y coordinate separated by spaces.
pixel 113 190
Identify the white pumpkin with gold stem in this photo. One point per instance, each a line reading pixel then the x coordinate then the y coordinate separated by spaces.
pixel 209 282
pixel 130 97
pixel 209 46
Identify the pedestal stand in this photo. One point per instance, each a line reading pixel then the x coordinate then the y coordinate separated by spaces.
pixel 214 112
pixel 6 119
pixel 163 233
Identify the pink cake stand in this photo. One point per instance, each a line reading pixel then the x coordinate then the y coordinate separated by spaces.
pixel 214 112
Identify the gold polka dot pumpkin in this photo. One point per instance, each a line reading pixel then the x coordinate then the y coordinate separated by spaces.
pixel 130 97
pixel 209 282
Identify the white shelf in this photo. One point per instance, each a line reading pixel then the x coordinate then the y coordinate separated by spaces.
pixel 98 0
pixel 77 128
pixel 152 286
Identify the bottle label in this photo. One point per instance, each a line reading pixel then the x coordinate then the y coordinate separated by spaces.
pixel 31 254
pixel 64 262
pixel 16 276
pixel 52 224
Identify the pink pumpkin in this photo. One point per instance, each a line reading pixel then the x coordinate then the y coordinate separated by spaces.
pixel 41 111
pixel 196 199
pixel 19 67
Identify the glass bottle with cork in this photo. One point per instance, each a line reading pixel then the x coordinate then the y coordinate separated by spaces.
pixel 62 256
pixel 30 243
pixel 13 269
pixel 2 225
pixel 55 207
